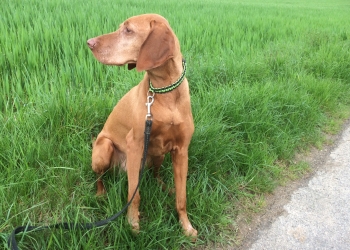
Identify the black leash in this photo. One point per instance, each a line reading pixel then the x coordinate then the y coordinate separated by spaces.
pixel 12 243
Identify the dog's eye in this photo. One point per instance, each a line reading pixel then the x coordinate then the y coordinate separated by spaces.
pixel 127 30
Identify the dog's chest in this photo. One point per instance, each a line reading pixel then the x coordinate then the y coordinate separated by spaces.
pixel 164 137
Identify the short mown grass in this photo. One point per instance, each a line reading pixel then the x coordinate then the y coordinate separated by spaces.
pixel 267 80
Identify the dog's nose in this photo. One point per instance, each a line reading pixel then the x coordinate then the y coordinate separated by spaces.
pixel 91 43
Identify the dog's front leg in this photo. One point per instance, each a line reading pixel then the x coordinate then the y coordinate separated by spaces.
pixel 180 165
pixel 133 163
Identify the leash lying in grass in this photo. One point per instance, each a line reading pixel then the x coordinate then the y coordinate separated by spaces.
pixel 12 243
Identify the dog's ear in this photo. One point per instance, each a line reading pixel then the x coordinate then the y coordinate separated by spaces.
pixel 158 47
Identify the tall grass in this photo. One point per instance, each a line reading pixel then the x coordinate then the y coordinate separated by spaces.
pixel 266 80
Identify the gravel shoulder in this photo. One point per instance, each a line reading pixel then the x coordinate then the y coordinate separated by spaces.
pixel 309 213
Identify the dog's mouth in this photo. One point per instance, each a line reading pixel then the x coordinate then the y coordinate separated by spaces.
pixel 131 66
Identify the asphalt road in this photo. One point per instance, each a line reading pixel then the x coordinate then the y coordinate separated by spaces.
pixel 317 216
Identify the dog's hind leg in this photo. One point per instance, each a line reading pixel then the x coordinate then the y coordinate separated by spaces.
pixel 103 157
pixel 157 163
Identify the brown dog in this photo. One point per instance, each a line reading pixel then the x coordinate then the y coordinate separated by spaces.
pixel 148 43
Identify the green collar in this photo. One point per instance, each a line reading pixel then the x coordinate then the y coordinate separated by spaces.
pixel 171 86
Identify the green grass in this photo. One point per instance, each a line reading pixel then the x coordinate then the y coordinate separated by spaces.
pixel 267 79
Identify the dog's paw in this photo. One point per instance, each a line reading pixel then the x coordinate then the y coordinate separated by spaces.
pixel 134 224
pixel 189 231
pixel 134 227
pixel 101 193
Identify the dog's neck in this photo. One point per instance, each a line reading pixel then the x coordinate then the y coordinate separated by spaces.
pixel 166 74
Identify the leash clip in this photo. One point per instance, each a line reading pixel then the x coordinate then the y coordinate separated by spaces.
pixel 150 100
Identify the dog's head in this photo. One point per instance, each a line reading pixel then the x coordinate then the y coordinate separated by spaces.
pixel 144 42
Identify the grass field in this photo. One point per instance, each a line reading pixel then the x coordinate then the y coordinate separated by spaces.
pixel 267 79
